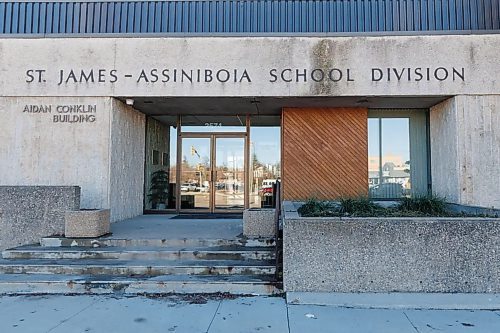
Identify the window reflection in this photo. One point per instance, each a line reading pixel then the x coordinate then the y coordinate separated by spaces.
pixel 173 168
pixel 194 182
pixel 230 176
pixel 265 166
pixel 389 157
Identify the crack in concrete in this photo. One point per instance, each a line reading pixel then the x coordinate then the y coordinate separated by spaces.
pixel 287 316
pixel 72 316
pixel 414 327
pixel 213 318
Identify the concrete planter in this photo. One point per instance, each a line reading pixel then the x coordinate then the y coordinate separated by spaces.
pixel 390 254
pixel 31 212
pixel 259 222
pixel 87 223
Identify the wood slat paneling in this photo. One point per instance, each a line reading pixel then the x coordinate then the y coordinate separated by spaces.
pixel 325 153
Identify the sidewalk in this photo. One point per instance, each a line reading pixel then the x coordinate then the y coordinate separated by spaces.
pixel 195 313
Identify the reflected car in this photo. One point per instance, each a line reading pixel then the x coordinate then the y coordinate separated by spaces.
pixel 266 191
pixel 267 187
pixel 186 187
pixel 387 190
pixel 203 189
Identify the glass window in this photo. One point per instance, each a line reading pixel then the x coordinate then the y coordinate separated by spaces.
pixel 265 166
pixel 373 152
pixel 173 167
pixel 195 173
pixel 389 157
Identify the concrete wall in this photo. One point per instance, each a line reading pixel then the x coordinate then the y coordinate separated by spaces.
pixel 157 138
pixel 364 66
pixel 465 150
pixel 35 150
pixel 28 213
pixel 390 254
pixel 100 149
pixel 126 169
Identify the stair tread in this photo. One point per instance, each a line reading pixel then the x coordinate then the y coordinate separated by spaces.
pixel 222 249
pixel 41 284
pixel 136 263
pixel 111 237
pixel 241 240
pixel 30 278
pixel 157 242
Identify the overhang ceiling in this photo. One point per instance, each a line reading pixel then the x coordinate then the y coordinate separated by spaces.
pixel 166 109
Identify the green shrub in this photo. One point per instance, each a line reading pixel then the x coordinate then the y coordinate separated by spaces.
pixel 360 207
pixel 424 205
pixel 345 207
pixel 317 208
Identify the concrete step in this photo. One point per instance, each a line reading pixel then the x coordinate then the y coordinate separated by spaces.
pixel 183 242
pixel 137 267
pixel 235 252
pixel 24 284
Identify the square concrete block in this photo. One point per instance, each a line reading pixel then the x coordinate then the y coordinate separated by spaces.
pixel 87 223
pixel 259 222
pixel 31 212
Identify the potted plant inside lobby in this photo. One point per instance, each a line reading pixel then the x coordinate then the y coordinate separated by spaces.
pixel 158 192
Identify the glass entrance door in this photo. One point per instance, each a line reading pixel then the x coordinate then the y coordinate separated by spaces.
pixel 195 178
pixel 212 172
pixel 229 174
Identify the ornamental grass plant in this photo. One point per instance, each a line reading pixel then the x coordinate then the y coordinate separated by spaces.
pixel 419 206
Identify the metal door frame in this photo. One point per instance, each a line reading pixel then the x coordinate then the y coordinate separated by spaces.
pixel 213 137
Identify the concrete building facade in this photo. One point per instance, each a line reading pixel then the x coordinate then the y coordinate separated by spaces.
pixel 103 109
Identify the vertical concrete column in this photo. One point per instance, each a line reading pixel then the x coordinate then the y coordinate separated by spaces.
pixel 126 172
pixel 465 150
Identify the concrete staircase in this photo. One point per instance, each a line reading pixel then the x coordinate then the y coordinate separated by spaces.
pixel 140 266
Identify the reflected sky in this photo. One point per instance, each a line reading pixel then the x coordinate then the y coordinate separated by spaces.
pixel 196 151
pixel 229 152
pixel 395 137
pixel 265 142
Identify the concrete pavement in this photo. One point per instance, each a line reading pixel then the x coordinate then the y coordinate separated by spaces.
pixel 221 314
pixel 165 227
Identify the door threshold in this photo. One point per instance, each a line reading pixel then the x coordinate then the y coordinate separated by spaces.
pixel 208 216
